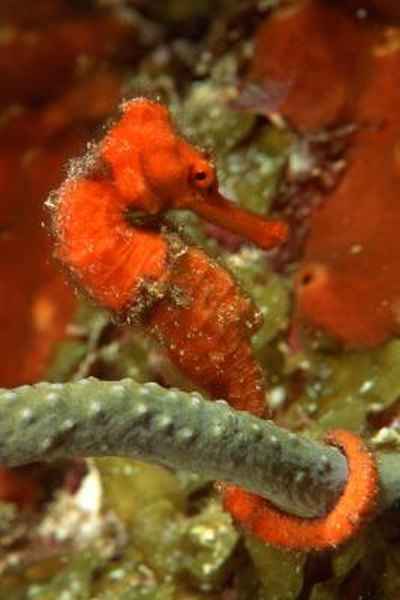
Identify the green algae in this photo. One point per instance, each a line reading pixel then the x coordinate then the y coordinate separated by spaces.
pixel 208 542
pixel 251 172
pixel 130 486
pixel 391 571
pixel 249 159
pixel 74 357
pixel 71 583
pixel 209 121
pixel 359 566
pixel 153 507
pixel 348 557
pixel 343 389
pixel 164 551
pixel 195 549
pixel 268 291
pixel 270 563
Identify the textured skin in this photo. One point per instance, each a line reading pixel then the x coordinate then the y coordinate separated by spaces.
pixel 143 273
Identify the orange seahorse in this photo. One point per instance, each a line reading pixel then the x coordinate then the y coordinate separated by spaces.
pixel 109 234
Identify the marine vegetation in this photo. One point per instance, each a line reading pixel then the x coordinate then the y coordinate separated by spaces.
pixel 200 368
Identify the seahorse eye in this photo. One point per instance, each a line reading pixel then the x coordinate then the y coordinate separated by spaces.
pixel 202 176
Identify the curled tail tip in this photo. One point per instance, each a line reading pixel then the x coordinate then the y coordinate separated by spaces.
pixel 351 511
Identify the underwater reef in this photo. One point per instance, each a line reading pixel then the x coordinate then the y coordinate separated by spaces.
pixel 199 291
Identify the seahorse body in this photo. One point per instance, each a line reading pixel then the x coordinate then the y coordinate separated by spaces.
pixel 146 273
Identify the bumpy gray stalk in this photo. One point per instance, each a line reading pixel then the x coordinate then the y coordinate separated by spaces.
pixel 175 429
